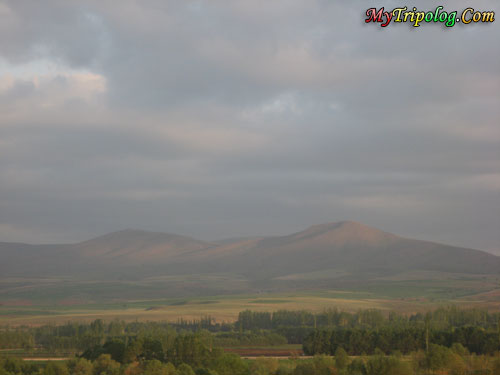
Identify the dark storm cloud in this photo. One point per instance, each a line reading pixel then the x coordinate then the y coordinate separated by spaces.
pixel 214 119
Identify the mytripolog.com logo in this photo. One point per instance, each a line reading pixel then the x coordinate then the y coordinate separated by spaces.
pixel 416 18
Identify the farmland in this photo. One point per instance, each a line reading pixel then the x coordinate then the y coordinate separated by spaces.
pixel 403 296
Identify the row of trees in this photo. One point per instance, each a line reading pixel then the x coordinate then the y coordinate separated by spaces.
pixel 48 339
pixel 359 341
pixel 441 318
pixel 228 364
pixel 193 349
pixel 439 360
pixel 476 329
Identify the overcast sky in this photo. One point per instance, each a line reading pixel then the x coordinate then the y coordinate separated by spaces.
pixel 232 118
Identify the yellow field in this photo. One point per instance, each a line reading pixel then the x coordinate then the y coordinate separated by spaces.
pixel 221 308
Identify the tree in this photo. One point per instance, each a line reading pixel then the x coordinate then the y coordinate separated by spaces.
pixel 189 349
pixel 357 367
pixel 304 368
pixel 320 365
pixel 55 368
pixel 324 365
pixel 171 369
pixel 457 365
pixel 459 349
pixel 185 369
pixel 133 369
pixel 438 357
pixel 230 364
pixel 205 371
pixel 427 326
pixel 341 358
pixel 80 366
pixel 116 349
pixel 152 349
pixel 154 367
pixel 12 365
pixel 104 365
pixel 133 351
pixel 496 366
pixel 383 365
pixel 264 366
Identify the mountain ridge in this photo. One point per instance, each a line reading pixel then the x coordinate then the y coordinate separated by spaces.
pixel 349 246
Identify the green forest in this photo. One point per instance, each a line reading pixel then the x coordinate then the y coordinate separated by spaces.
pixel 448 340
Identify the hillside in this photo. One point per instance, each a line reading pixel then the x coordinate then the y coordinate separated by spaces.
pixel 129 247
pixel 356 248
pixel 348 247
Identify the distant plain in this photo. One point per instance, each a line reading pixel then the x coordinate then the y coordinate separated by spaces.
pixel 51 301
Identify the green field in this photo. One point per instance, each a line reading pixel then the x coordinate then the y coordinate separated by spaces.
pixel 221 308
pixel 223 296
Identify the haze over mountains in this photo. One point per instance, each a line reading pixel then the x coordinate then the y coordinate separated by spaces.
pixel 339 249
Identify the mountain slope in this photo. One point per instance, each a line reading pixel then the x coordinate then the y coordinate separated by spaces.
pixel 346 246
pixel 350 247
pixel 127 253
pixel 24 260
pixel 129 246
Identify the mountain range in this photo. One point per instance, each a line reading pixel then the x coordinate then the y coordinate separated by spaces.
pixel 339 249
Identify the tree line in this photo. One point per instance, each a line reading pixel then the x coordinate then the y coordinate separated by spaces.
pixel 360 332
pixel 359 341
pixel 438 360
pixel 441 318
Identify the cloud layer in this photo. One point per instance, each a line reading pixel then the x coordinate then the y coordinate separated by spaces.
pixel 215 119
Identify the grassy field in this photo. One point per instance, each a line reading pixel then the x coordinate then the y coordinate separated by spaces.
pixel 221 308
pixel 55 301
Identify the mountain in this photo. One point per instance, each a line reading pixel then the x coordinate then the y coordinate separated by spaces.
pixel 132 252
pixel 24 260
pixel 135 246
pixel 348 248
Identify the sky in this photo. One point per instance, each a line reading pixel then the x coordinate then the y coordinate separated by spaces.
pixel 219 119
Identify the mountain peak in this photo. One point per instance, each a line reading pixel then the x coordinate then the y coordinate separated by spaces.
pixel 345 232
pixel 139 245
pixel 338 224
pixel 130 232
pixel 348 246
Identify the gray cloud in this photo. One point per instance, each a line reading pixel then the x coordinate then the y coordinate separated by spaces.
pixel 214 119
